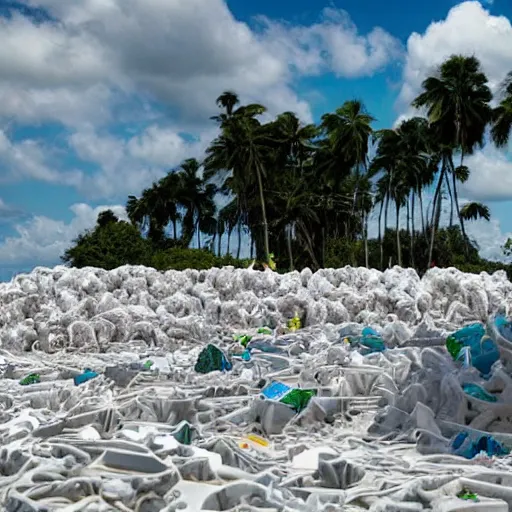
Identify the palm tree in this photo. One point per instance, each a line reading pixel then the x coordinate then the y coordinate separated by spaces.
pixel 473 211
pixel 502 115
pixel 457 102
pixel 198 198
pixel 293 202
pixel 170 187
pixel 348 130
pixel 243 149
pixel 230 217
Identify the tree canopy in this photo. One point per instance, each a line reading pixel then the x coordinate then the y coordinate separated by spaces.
pixel 304 195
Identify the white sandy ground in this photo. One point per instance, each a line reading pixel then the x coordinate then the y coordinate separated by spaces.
pixel 375 438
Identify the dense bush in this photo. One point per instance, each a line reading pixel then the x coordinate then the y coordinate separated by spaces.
pixel 109 246
pixel 200 259
pixel 113 243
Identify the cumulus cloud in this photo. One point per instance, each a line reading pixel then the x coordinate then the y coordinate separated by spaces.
pixel 28 159
pixel 468 29
pixel 491 175
pixel 92 65
pixel 195 50
pixel 333 44
pixel 127 166
pixel 43 240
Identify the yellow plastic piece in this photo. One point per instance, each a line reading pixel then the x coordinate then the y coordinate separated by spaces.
pixel 294 324
pixel 258 440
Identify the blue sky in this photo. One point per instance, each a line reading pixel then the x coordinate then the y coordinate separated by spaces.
pixel 99 99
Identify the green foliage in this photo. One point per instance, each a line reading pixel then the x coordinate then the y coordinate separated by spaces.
pixel 200 259
pixel 305 193
pixel 109 246
pixel 507 247
pixel 114 243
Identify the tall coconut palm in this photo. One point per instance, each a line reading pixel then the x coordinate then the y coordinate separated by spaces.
pixel 198 199
pixel 170 188
pixel 457 102
pixel 348 130
pixel 243 149
pixel 293 202
pixel 230 217
pixel 293 140
pixel 149 213
pixel 502 114
pixel 474 211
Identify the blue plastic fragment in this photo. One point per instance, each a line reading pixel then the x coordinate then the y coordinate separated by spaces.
pixel 368 331
pixel 371 341
pixel 84 377
pixel 478 350
pixel 464 446
pixel 275 390
pixel 479 392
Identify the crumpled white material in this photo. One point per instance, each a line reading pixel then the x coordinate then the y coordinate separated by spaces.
pixel 375 437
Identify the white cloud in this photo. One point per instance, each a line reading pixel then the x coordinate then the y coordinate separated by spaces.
pixel 182 53
pixel 468 29
pixel 491 175
pixel 105 62
pixel 490 238
pixel 127 166
pixel 28 159
pixel 44 240
pixel 333 44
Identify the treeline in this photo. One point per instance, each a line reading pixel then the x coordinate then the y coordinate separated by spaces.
pixel 303 194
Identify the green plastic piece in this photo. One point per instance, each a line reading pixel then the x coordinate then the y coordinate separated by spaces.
pixel 148 364
pixel 243 339
pixel 298 399
pixel 33 378
pixel 184 434
pixel 453 346
pixel 264 330
pixel 467 495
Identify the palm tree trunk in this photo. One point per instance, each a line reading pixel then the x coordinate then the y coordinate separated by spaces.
pixel 309 245
pixel 436 205
pixel 175 229
pixel 219 244
pixel 456 197
pixel 408 215
pixel 323 246
pixel 365 231
pixel 289 244
pixel 420 197
pixel 239 240
pixel 454 178
pixel 449 188
pixel 381 240
pixel 386 209
pixel 263 214
pixel 198 237
pixel 413 227
pixel 229 242
pixel 398 242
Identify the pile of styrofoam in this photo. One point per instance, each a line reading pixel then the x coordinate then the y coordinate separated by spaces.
pixel 375 438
